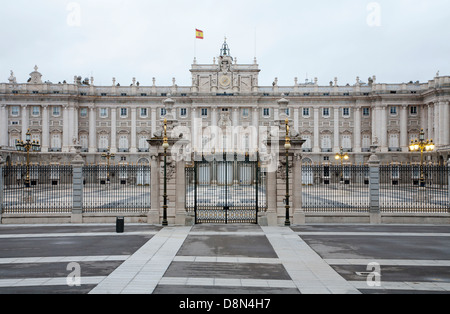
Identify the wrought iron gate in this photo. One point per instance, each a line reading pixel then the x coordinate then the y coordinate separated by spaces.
pixel 225 189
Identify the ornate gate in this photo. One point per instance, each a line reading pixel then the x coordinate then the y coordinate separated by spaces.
pixel 225 189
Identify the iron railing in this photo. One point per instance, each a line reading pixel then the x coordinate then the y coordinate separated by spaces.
pixel 333 188
pixel 50 189
pixel 401 190
pixel 116 188
pixel 224 191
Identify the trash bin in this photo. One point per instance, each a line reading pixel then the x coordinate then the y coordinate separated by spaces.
pixel 120 224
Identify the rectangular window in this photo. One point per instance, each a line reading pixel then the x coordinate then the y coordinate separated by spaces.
pixel 83 112
pixel 36 111
pixel 103 112
pixel 346 112
pixel 204 112
pixel 287 111
pixel 413 110
pixel 144 112
pixel 245 112
pixel 123 112
pixel 183 112
pixel 326 112
pixel 393 110
pixel 15 111
pixel 306 112
pixel 56 111
pixel 266 112
pixel 163 112
pixel 366 112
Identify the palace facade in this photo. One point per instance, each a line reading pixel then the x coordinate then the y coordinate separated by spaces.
pixel 224 94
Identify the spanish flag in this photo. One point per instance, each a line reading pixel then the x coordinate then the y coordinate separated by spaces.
pixel 198 34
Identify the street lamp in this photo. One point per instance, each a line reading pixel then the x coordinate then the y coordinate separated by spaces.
pixel 342 156
pixel 165 146
pixel 26 146
pixel 287 146
pixel 421 145
pixel 108 156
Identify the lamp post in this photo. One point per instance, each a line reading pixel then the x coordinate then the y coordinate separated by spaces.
pixel 108 156
pixel 26 146
pixel 342 156
pixel 165 146
pixel 287 146
pixel 421 145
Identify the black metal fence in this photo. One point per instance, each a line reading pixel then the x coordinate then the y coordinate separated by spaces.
pixel 49 191
pixel 224 191
pixel 332 188
pixel 118 188
pixel 412 188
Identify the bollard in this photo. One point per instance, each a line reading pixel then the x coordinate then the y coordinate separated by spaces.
pixel 120 224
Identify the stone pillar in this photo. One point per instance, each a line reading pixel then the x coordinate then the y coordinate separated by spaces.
pixel 92 130
pixel 45 130
pixel 194 129
pixel 214 116
pixel 316 147
pixel 404 128
pixel 296 121
pixel 113 144
pixel 77 205
pixel 272 218
pixel 133 148
pixel 154 214
pixel 357 130
pixel 297 208
pixel 336 144
pixel 180 193
pixel 374 189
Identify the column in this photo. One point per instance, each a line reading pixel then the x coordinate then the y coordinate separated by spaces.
pixel 77 191
pixel 316 147
pixel 133 148
pixel 357 130
pixel 423 119
pixel 75 123
pixel 296 112
pixel 443 123
pixel 71 126
pixel 374 115
pixel 383 129
pixel 92 130
pixel 297 208
pixel 153 121
pixel 214 116
pixel 235 117
pixel 446 123
pixel 404 128
pixel 194 128
pixel 255 124
pixel 430 122
pixel 66 129
pixel 4 137
pixel 24 121
pixel 113 144
pixel 437 139
pixel 336 144
pixel 45 142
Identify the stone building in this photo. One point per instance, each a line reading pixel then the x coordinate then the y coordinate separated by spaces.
pixel 224 95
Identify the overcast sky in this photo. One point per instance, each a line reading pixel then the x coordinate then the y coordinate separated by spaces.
pixel 396 40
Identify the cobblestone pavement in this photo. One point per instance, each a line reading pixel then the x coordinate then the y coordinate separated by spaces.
pixel 224 259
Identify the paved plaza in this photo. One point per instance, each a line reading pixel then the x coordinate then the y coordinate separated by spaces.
pixel 224 259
